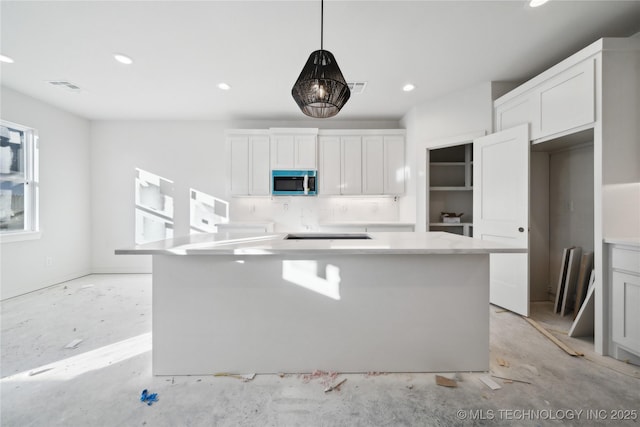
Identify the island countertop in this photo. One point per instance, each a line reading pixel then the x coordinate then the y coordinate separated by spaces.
pixel 278 244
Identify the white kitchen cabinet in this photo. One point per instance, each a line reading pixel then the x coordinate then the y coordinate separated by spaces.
pixel 383 164
pixel 340 169
pixel 517 111
pixel 566 101
pixel 562 102
pixel 373 165
pixel 249 164
pixel 294 149
pixel 624 279
pixel 394 165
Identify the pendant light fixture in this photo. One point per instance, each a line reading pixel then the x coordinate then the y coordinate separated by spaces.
pixel 321 90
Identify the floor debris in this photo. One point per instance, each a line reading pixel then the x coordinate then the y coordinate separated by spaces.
pixel 39 371
pixel 148 398
pixel 511 379
pixel 243 377
pixel 326 378
pixel 446 382
pixel 553 339
pixel 335 387
pixel 490 383
pixel 502 310
pixel 503 362
pixel 73 344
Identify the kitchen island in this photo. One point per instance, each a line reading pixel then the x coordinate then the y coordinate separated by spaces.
pixel 352 302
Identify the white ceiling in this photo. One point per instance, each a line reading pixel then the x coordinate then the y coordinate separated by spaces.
pixel 183 49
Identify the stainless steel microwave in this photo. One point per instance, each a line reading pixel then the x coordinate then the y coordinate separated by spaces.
pixel 294 183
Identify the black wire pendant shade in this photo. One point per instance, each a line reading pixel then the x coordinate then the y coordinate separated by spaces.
pixel 321 90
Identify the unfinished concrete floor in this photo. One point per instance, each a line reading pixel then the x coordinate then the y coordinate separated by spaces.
pixel 98 383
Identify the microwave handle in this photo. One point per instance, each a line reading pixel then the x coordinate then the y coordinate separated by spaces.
pixel 305 183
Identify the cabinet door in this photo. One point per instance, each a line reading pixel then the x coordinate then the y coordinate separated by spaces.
pixel 372 165
pixel 394 165
pixel 568 100
pixel 305 152
pixel 351 165
pixel 282 151
pixel 239 148
pixel 501 212
pixel 517 111
pixel 259 173
pixel 625 293
pixel 329 172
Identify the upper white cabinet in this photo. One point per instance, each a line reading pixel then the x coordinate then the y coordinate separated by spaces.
pixel 249 164
pixel 560 103
pixel 383 164
pixel 517 111
pixel 394 165
pixel 349 161
pixel 294 149
pixel 340 170
pixel 567 101
pixel 373 165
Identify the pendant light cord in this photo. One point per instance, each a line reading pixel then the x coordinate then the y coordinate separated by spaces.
pixel 321 23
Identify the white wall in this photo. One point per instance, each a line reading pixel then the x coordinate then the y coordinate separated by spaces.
pixel 192 154
pixel 447 120
pixel 64 199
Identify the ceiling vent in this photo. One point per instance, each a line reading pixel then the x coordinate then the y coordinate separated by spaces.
pixel 356 87
pixel 64 84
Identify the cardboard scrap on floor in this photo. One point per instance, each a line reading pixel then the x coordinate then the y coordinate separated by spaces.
pixel 503 362
pixel 446 382
pixel 553 339
pixel 490 383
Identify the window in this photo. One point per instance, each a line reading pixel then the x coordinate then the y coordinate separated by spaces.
pixel 18 182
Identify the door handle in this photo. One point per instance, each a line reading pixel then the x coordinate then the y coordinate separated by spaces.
pixel 521 229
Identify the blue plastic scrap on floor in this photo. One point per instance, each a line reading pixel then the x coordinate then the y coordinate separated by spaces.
pixel 148 398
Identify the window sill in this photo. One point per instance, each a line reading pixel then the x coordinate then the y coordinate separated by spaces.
pixel 19 236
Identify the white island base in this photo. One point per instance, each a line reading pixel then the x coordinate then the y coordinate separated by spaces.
pixel 245 314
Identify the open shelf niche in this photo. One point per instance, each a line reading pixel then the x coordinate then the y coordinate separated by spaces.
pixel 451 188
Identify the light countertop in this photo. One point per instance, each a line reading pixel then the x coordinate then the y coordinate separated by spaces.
pixel 276 244
pixel 365 223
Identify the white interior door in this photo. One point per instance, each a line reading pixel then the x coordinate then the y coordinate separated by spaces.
pixel 501 211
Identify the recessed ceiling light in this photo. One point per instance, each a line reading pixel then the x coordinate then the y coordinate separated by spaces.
pixel 224 86
pixel 123 59
pixel 408 87
pixel 8 60
pixel 536 3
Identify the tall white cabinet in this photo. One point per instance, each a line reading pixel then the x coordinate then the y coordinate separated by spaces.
pixel 340 164
pixel 589 103
pixel 383 164
pixel 249 162
pixel 361 162
pixel 294 148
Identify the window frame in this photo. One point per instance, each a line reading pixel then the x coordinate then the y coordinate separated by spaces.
pixel 31 229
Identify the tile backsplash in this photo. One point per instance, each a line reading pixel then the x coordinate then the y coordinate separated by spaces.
pixel 300 213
